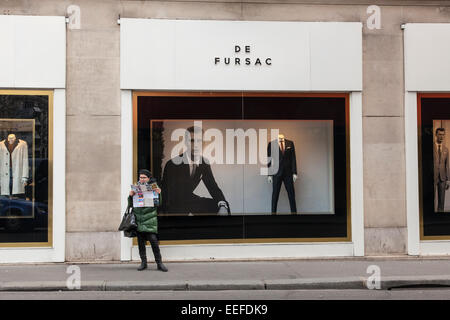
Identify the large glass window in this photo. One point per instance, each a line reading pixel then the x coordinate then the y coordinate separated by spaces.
pixel 434 164
pixel 25 168
pixel 246 167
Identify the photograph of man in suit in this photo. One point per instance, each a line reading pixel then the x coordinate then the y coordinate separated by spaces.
pixel 183 174
pixel 287 171
pixel 441 173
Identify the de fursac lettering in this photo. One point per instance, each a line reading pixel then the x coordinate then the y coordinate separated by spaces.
pixel 241 58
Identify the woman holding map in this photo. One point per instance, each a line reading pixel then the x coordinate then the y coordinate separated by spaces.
pixel 144 199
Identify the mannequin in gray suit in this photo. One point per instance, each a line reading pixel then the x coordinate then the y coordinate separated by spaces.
pixel 441 172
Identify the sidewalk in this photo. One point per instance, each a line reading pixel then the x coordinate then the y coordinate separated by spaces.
pixel 338 273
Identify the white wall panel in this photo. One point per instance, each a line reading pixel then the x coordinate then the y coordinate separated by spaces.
pixel 40 52
pixel 357 173
pixel 180 55
pixel 147 55
pixel 336 56
pixel 216 252
pixel 7 51
pixel 427 52
pixel 412 173
pixel 126 156
pixel 33 52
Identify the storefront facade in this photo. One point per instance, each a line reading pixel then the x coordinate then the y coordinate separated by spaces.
pixel 426 119
pixel 32 93
pixel 181 82
pixel 121 82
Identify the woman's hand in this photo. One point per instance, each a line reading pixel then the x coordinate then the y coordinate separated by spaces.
pixel 132 193
pixel 158 190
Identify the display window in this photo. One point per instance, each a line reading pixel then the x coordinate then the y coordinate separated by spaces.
pixel 246 167
pixel 25 168
pixel 434 164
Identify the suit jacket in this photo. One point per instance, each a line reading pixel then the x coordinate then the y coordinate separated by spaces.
pixel 178 186
pixel 441 172
pixel 287 162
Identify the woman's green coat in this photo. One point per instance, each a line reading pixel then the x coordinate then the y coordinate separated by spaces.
pixel 146 217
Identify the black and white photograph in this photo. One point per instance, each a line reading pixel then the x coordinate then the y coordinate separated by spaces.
pixel 230 164
pixel 441 177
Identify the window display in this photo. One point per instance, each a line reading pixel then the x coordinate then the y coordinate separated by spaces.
pixel 227 164
pixel 440 165
pixel 14 172
pixel 434 124
pixel 223 159
pixel 24 174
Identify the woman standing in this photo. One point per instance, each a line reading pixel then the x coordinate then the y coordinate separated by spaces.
pixel 147 221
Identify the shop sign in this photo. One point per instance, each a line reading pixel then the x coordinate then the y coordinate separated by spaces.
pixel 242 57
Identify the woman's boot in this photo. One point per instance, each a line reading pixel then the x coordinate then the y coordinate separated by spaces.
pixel 143 265
pixel 161 266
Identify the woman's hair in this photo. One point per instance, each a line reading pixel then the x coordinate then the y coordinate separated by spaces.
pixel 146 172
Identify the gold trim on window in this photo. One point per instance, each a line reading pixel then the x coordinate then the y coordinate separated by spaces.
pixel 49 243
pixel 137 94
pixel 419 141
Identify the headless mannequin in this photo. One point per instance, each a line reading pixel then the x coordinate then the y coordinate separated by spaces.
pixel 281 141
pixel 286 173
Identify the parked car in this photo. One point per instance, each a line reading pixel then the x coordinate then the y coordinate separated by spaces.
pixel 17 214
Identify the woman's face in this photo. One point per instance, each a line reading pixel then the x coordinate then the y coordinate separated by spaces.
pixel 143 178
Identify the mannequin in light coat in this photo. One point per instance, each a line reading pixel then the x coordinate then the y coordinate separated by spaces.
pixel 19 158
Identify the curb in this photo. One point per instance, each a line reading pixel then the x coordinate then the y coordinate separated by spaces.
pixel 349 283
pixel 389 283
pixel 316 284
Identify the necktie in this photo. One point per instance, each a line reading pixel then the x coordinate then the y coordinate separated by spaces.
pixel 440 153
pixel 194 166
pixel 282 147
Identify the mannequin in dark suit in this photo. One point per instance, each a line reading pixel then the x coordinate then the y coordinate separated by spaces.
pixel 181 177
pixel 441 168
pixel 287 171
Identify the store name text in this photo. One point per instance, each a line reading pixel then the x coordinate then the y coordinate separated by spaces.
pixel 242 58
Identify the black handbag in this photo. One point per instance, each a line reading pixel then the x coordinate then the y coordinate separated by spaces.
pixel 128 224
pixel 130 234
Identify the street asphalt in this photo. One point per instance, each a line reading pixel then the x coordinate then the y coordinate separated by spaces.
pixel 321 274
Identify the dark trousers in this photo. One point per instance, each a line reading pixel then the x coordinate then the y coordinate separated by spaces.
pixel 143 237
pixel 289 185
pixel 441 194
pixel 202 205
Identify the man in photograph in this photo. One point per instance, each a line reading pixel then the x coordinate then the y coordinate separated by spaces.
pixel 441 173
pixel 181 177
